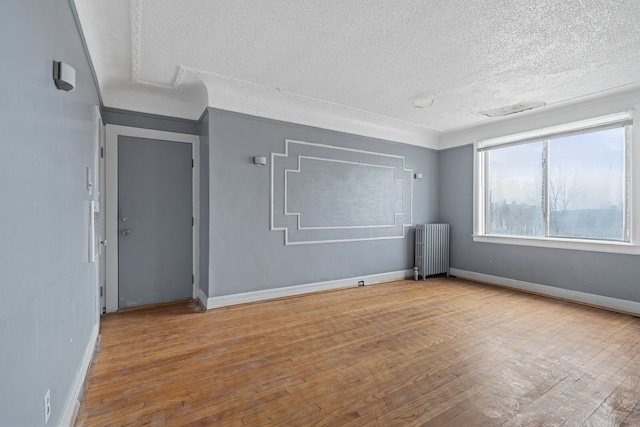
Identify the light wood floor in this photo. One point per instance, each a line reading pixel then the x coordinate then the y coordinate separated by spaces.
pixel 444 352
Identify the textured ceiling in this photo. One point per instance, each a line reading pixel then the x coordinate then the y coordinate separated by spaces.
pixel 415 65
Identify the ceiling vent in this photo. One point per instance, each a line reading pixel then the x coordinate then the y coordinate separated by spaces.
pixel 423 102
pixel 513 109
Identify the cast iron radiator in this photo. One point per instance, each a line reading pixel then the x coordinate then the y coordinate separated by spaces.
pixel 432 249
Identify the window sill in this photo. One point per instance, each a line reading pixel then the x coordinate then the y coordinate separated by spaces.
pixel 572 244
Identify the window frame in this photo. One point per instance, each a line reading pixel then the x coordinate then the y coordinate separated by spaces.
pixel 632 174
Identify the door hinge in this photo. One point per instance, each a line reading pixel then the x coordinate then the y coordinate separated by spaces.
pixel 102 152
pixel 191 162
pixel 193 278
pixel 193 222
pixel 100 291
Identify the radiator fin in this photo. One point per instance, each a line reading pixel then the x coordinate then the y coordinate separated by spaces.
pixel 432 249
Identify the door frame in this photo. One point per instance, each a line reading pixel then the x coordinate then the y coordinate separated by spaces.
pixel 99 185
pixel 111 202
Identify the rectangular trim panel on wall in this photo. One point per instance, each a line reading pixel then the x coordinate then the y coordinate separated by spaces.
pixel 322 193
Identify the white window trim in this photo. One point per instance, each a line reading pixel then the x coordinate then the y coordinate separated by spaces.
pixel 633 162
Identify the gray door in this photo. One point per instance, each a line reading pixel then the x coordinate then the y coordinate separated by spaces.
pixel 154 212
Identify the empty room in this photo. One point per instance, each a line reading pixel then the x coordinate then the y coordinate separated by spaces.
pixel 320 213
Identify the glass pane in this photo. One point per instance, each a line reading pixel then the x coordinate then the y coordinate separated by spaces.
pixel 586 185
pixel 514 190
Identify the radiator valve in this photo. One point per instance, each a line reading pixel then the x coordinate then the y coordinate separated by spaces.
pixel 415 273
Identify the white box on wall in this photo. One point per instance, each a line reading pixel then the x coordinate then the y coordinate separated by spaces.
pixel 94 230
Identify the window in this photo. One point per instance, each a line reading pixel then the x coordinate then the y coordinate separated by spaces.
pixel 565 186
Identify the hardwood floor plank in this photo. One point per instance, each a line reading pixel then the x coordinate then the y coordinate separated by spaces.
pixel 633 419
pixel 595 372
pixel 432 353
pixel 619 405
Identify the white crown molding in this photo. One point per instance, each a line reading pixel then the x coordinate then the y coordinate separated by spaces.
pixel 132 77
pixel 614 304
pixel 273 103
pixel 187 101
pixel 267 294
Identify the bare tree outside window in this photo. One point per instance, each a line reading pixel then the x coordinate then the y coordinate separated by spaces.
pixel 580 193
pixel 561 193
pixel 586 185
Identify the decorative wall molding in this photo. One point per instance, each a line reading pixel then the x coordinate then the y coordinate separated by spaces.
pixel 614 304
pixel 267 294
pixel 308 178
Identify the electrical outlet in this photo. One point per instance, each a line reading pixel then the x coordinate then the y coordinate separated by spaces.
pixel 361 283
pixel 47 406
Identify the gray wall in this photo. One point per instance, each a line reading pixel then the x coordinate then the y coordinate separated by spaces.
pixel 610 275
pixel 47 139
pixel 246 256
pixel 115 116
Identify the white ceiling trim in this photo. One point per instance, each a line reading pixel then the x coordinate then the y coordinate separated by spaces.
pixel 258 100
pixel 406 72
pixel 182 70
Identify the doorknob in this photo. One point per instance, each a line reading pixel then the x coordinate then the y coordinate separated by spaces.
pixel 126 232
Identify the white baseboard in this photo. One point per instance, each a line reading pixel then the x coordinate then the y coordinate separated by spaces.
pixel 267 294
pixel 615 304
pixel 78 382
pixel 202 298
